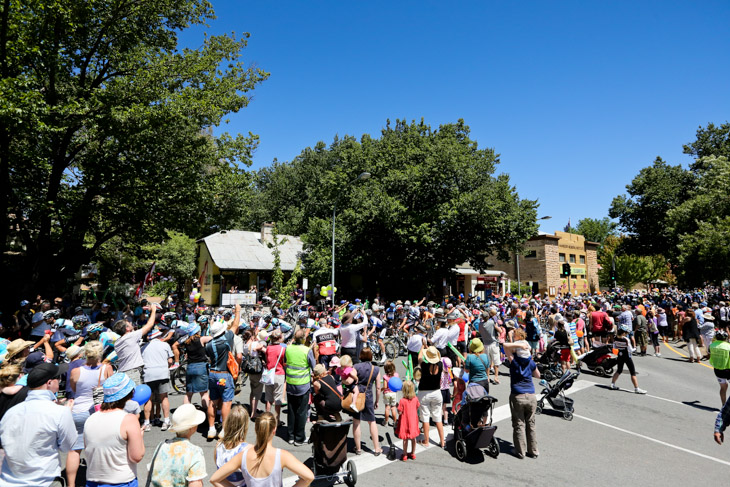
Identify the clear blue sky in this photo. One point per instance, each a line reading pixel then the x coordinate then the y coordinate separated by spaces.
pixel 575 96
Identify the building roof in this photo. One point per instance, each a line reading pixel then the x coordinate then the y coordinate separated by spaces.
pixel 239 250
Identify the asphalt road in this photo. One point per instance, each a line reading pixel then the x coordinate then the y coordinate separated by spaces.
pixel 616 437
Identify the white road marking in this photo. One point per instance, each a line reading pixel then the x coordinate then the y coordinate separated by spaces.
pixel 692 452
pixel 367 462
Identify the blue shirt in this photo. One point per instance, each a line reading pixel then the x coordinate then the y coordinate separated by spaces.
pixel 520 371
pixel 33 433
pixel 477 367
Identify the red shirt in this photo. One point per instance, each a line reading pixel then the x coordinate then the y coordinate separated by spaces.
pixel 272 353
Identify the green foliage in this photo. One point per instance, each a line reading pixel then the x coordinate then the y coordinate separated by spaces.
pixel 176 257
pixel 433 202
pixel 161 288
pixel 595 230
pixel 702 224
pixel 105 128
pixel 711 141
pixel 633 269
pixel 642 214
pixel 277 290
pixel 291 284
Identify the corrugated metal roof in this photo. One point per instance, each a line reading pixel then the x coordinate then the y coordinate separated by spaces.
pixel 236 249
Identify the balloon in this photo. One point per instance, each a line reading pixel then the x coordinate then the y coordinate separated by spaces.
pixel 334 289
pixel 329 292
pixel 323 292
pixel 197 297
pixel 142 394
pixel 465 377
pixel 395 384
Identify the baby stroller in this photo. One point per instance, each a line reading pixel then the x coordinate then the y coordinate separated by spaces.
pixel 555 395
pixel 329 449
pixel 473 423
pixel 600 360
pixel 548 362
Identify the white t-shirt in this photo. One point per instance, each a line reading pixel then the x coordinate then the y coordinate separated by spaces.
pixel 349 333
pixel 440 339
pixel 237 345
pixel 156 365
pixel 454 334
pixel 415 343
pixel 128 351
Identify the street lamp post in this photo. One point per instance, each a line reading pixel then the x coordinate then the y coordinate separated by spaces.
pixel 517 261
pixel 361 177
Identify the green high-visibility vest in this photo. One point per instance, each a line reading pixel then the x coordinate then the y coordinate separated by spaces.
pixel 720 355
pixel 297 367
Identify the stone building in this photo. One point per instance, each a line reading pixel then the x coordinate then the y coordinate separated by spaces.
pixel 541 263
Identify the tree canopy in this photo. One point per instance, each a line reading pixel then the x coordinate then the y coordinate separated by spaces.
pixel 595 230
pixel 105 129
pixel 432 202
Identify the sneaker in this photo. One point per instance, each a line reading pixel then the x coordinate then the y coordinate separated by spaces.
pixel 221 434
pixel 165 426
pixel 146 427
pixel 613 387
pixel 657 354
pixel 174 366
pixel 291 441
pixel 639 391
pixel 211 433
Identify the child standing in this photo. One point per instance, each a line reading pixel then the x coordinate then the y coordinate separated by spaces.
pixel 233 442
pixel 407 429
pixel 391 397
pixel 446 382
pixel 348 374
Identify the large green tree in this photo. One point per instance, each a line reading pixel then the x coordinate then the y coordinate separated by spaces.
pixel 432 202
pixel 711 141
pixel 642 213
pixel 105 129
pixel 595 230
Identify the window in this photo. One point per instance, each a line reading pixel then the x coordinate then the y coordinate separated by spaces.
pixel 561 257
pixel 572 258
pixel 582 259
pixel 531 254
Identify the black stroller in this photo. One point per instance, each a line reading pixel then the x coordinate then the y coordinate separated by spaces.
pixel 329 449
pixel 555 395
pixel 548 362
pixel 473 423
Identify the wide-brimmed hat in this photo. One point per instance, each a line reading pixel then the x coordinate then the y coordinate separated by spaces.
pixel 17 346
pixel 708 316
pixel 432 355
pixel 117 387
pixel 73 351
pixel 335 362
pixel 454 315
pixel 218 328
pixel 263 335
pixel 476 346
pixel 185 417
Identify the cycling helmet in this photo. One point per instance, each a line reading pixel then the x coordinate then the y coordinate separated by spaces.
pixel 51 313
pixel 721 335
pixel 407 303
pixel 256 315
pixel 169 316
pixel 203 319
pixel 275 321
pixel 302 316
pixel 80 319
pixel 267 317
pixel 369 312
pixel 399 307
pixel 190 329
pixel 96 327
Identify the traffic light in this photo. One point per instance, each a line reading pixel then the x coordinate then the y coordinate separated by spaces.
pixel 612 276
pixel 566 270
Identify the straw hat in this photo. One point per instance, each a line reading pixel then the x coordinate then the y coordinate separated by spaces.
pixel 186 417
pixel 73 351
pixel 17 346
pixel 263 335
pixel 432 355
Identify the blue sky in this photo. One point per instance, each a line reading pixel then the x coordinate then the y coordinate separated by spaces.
pixel 575 96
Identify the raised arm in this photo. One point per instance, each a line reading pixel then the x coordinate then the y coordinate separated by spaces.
pixel 237 319
pixel 151 321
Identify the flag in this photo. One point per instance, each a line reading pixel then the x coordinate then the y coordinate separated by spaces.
pixel 567 227
pixel 147 279
pixel 202 274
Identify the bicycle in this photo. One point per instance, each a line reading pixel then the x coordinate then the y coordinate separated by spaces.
pixel 395 344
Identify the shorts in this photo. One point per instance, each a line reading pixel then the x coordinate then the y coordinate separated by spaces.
pixel 383 333
pixel 565 355
pixel 390 399
pixel 275 392
pixel 221 386
pixel 723 375
pixel 599 333
pixel 136 374
pixel 641 338
pixel 446 396
pixel 161 386
pixel 534 344
pixel 131 483
pixel 461 347
pixel 196 377
pixel 80 418
pixel 431 406
pixel 257 387
pixel 493 354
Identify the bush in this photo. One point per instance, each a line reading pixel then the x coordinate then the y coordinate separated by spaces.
pixel 162 288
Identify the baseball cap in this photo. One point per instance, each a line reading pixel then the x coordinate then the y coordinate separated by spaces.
pixel 42 374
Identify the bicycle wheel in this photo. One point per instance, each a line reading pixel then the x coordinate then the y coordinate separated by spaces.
pixel 391 351
pixel 177 378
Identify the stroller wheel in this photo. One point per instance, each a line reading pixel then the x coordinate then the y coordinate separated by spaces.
pixel 538 409
pixel 493 448
pixel 548 375
pixel 600 371
pixel 351 478
pixel 460 447
pixel 568 415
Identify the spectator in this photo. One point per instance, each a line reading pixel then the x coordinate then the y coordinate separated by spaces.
pixel 263 464
pixel 221 385
pixel 178 462
pixel 275 360
pixel 234 441
pixel 522 400
pixel 299 363
pixel 429 393
pixel 82 381
pixel 157 356
pixel 32 448
pixel 112 437
pixel 129 354
pixel 368 376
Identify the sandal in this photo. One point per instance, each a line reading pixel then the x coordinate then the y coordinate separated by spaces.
pixel 358 452
pixel 377 453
